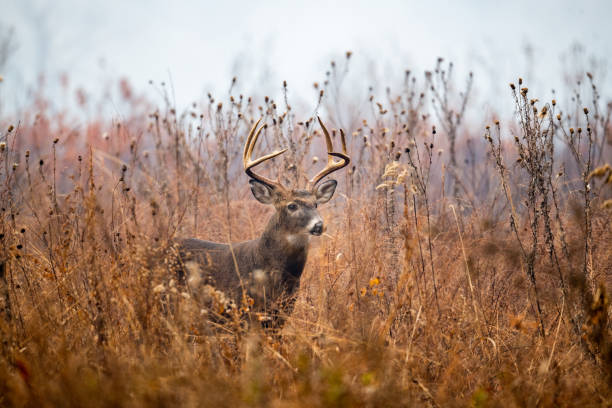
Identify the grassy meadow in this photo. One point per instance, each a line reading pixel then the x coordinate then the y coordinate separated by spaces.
pixel 467 259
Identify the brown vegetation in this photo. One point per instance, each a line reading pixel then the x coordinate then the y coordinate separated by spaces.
pixel 439 282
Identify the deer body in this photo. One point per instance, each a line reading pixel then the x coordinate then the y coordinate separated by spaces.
pixel 267 269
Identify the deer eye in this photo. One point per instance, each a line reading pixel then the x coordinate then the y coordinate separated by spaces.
pixel 292 207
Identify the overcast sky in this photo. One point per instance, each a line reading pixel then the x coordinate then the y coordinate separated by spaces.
pixel 202 44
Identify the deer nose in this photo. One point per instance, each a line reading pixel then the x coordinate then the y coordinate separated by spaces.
pixel 317 229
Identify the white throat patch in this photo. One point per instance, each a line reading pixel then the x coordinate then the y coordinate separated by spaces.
pixel 296 239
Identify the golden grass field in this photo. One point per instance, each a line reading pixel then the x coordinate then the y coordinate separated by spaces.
pixel 462 265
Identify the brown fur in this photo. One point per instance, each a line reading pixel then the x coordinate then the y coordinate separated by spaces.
pixel 267 269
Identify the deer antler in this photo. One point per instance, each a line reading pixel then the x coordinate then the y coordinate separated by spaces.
pixel 249 163
pixel 332 165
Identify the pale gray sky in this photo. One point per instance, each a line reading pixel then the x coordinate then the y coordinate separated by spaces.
pixel 202 44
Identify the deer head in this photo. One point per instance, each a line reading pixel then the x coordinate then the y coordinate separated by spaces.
pixel 296 210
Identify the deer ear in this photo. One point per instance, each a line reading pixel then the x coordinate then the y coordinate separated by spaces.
pixel 262 192
pixel 325 191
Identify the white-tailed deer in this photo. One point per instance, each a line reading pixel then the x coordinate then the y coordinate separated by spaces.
pixel 266 269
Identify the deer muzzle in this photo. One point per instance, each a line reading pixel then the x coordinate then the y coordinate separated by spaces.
pixel 317 228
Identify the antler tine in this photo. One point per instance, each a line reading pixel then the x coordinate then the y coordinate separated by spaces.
pixel 249 163
pixel 332 165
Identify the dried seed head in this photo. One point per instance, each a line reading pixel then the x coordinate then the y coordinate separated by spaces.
pixel 159 288
pixel 10 128
pixel 512 86
pixel 600 171
pixel 2 146
pixel 259 275
pixel 586 111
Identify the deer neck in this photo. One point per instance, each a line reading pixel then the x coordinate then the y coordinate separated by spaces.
pixel 281 244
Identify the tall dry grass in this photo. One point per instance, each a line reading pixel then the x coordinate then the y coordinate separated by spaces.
pixel 478 277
